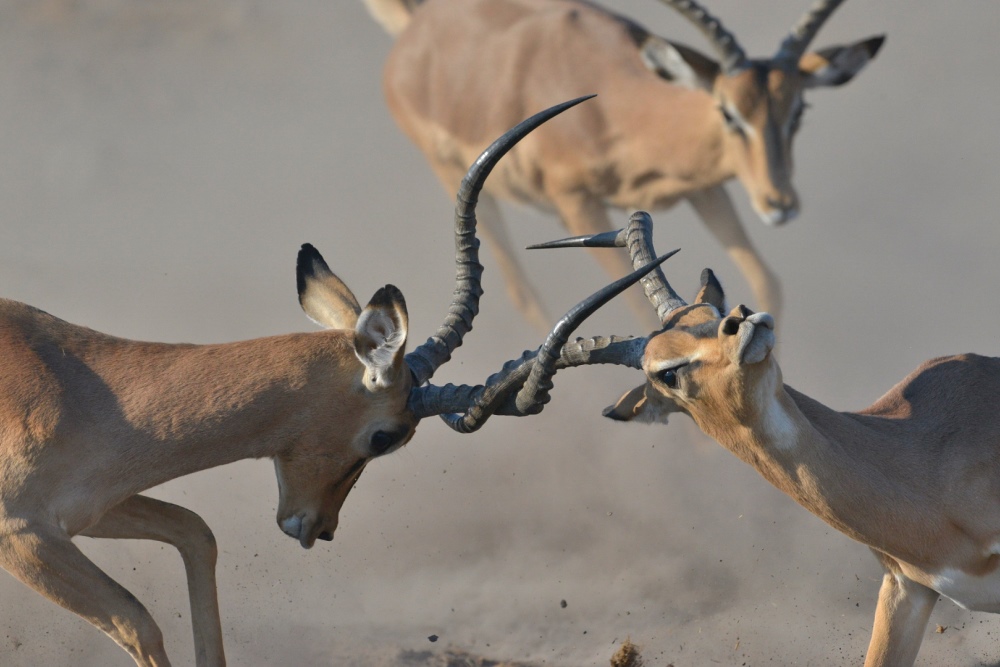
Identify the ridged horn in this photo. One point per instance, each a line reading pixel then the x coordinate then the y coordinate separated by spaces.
pixel 465 409
pixel 803 33
pixel 637 236
pixel 428 357
pixel 731 55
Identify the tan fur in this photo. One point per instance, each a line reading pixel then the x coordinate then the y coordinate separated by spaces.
pixel 392 15
pixel 465 68
pixel 89 421
pixel 914 477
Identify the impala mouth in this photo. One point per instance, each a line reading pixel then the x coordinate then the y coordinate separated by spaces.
pixel 756 338
pixel 301 529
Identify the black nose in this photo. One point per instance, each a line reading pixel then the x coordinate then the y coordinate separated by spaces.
pixel 326 536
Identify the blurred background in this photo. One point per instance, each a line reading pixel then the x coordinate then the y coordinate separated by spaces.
pixel 161 163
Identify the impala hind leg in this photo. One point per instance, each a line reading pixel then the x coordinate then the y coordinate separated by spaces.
pixel 583 214
pixel 904 606
pixel 717 212
pixel 144 518
pixel 44 558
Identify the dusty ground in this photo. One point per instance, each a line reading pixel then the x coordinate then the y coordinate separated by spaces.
pixel 160 163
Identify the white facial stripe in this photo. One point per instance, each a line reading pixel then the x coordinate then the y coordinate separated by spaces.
pixel 747 128
pixel 661 366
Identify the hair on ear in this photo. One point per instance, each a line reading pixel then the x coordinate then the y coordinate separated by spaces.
pixel 711 291
pixel 380 335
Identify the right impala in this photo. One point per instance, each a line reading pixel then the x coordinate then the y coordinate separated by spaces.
pixel 669 124
pixel 916 476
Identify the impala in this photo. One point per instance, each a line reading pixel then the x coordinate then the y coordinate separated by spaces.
pixel 916 476
pixel 670 123
pixel 89 421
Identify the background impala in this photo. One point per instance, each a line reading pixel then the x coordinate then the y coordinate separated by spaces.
pixel 270 119
pixel 671 123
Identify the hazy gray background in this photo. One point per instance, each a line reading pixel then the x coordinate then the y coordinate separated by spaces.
pixel 161 162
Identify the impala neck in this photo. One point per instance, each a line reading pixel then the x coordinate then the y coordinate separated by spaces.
pixel 834 464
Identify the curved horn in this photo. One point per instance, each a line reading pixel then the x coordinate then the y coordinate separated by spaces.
pixel 449 399
pixel 803 32
pixel 468 408
pixel 731 55
pixel 428 357
pixel 637 236
pixel 535 392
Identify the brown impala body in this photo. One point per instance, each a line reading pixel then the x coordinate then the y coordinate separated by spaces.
pixel 669 123
pixel 916 476
pixel 89 421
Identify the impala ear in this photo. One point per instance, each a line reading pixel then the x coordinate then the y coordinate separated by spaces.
pixel 324 297
pixel 380 337
pixel 836 65
pixel 636 405
pixel 679 64
pixel 711 291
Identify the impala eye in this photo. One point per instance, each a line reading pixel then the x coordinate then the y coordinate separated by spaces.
pixel 381 442
pixel 669 378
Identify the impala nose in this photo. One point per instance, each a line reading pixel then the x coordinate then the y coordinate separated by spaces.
pixel 781 210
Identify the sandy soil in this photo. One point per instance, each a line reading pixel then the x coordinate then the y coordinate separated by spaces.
pixel 160 163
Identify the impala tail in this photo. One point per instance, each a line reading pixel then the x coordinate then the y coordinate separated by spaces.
pixel 392 15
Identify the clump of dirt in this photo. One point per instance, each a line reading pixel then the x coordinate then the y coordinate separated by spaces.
pixel 627 655
pixel 453 658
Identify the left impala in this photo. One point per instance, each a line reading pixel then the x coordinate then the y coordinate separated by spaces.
pixel 89 421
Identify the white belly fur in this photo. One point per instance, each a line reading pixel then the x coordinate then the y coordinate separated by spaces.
pixel 967 591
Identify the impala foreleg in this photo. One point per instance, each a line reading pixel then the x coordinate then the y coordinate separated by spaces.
pixel 584 215
pixel 142 518
pixel 44 558
pixel 717 212
pixel 900 620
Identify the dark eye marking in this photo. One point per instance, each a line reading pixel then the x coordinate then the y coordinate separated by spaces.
pixel 796 121
pixel 669 376
pixel 382 441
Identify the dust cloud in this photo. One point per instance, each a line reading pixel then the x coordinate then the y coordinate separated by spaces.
pixel 160 164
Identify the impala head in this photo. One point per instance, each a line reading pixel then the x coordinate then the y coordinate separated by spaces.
pixel 377 393
pixel 759 102
pixel 715 365
pixel 368 419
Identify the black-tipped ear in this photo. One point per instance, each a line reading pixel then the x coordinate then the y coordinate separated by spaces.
pixel 836 65
pixel 711 291
pixel 309 264
pixel 380 336
pixel 388 296
pixel 324 297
